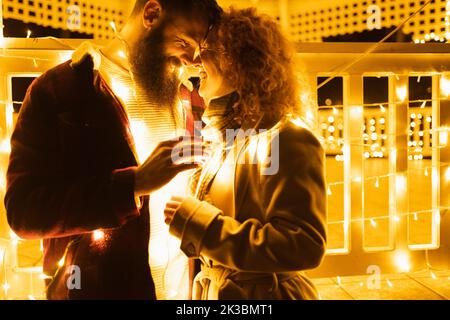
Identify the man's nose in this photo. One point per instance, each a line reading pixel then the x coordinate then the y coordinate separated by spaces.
pixel 191 58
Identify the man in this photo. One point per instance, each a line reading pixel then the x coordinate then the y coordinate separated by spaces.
pixel 74 177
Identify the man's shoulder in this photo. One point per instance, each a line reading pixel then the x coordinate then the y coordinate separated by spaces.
pixel 64 81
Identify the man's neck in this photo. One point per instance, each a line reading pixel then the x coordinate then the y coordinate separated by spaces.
pixel 117 52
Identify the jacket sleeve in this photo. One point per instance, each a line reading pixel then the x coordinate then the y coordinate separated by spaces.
pixel 293 237
pixel 43 202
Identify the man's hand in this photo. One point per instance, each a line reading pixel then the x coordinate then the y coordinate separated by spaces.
pixel 160 168
pixel 171 208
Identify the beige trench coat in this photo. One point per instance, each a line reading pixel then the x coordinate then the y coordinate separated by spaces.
pixel 260 231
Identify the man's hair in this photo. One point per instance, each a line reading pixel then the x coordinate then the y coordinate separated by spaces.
pixel 204 8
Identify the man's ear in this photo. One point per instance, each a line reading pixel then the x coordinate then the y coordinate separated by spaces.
pixel 152 13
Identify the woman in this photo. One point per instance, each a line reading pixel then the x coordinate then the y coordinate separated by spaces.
pixel 254 226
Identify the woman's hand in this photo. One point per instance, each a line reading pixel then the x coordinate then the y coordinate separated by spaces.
pixel 171 208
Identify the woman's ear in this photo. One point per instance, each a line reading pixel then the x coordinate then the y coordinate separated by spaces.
pixel 152 13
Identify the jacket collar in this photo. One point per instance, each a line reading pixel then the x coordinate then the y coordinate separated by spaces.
pixel 85 52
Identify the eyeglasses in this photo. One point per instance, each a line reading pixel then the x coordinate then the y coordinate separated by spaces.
pixel 203 46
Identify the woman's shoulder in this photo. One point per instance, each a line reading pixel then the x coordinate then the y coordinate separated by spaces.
pixel 290 133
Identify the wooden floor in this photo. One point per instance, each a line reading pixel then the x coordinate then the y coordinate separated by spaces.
pixel 408 286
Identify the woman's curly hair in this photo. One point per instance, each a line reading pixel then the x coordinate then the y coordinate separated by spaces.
pixel 259 62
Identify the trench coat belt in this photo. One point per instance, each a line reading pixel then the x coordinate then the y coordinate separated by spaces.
pixel 218 275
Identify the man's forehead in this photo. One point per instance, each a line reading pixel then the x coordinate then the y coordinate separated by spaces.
pixel 194 28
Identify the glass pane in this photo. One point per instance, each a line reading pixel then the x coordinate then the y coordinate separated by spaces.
pixel 376 163
pixel 420 162
pixel 331 123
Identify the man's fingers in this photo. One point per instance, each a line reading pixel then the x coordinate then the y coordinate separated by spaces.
pixel 184 167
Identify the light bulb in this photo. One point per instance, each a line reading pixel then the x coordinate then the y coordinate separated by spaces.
pixel 402 93
pixel 445 86
pixel 98 235
pixel 402 261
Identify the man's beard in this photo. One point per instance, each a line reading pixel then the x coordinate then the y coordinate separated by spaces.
pixel 153 71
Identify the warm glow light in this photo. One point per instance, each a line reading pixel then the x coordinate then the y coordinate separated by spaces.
pixel 120 90
pixel 338 280
pixel 402 261
pixel 400 183
pixel 43 276
pixel 31 297
pixel 389 283
pixel 373 223
pixel 61 262
pixel 140 131
pixel 447 174
pixel 5 146
pixel 98 235
pixel 423 105
pixel 121 54
pixel 443 138
pixel 382 108
pixel 14 238
pixel 28 34
pixel 433 276
pixel 426 173
pixel 329 191
pixel 445 86
pixel 377 183
pixel 112 24
pixel 397 218
pixel 357 179
pixel 402 93
pixel 263 149
pixel 6 287
pixel 416 217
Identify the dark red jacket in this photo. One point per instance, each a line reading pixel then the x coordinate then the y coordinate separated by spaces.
pixel 71 172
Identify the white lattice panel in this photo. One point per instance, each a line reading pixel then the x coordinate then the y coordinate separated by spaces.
pixel 91 17
pixel 312 20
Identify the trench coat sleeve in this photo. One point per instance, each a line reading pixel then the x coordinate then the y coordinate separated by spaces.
pixel 41 202
pixel 294 200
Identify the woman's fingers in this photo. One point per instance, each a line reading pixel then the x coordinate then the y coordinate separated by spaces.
pixel 177 199
pixel 172 205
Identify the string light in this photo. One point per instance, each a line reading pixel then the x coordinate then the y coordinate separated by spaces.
pixel 402 93
pixel 386 217
pixel 338 278
pixel 433 276
pixel 28 34
pixel 6 288
pixel 112 24
pixel 335 112
pixel 329 191
pixel 61 262
pixel 389 283
pixel 402 261
pixel 121 54
pixel 445 86
pixel 447 174
pixel 98 235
